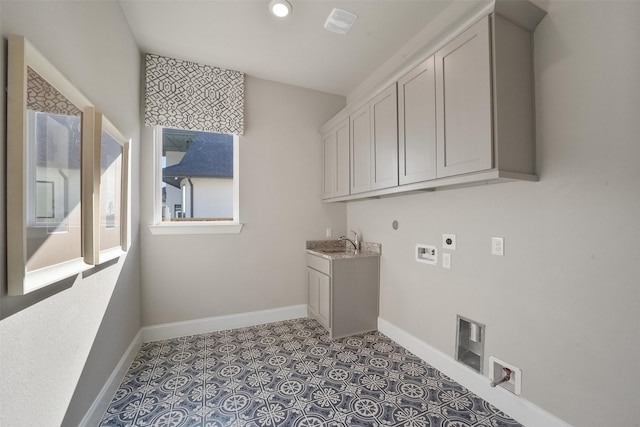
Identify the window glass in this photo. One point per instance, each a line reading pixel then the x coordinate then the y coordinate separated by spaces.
pixel 111 156
pixel 53 188
pixel 197 176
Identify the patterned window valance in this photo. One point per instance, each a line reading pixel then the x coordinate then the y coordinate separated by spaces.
pixel 187 95
pixel 42 96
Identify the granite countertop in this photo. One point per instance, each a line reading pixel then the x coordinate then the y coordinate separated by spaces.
pixel 341 249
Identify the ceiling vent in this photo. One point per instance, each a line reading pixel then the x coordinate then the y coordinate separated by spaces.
pixel 340 21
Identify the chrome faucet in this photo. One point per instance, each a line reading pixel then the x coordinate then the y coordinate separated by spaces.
pixel 355 242
pixel 345 238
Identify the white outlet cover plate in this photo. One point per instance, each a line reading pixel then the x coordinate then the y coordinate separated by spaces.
pixel 449 238
pixel 446 260
pixel 497 246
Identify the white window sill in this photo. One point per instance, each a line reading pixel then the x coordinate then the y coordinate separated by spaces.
pixel 110 254
pixel 42 277
pixel 194 228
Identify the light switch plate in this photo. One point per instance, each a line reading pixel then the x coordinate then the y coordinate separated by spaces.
pixel 446 260
pixel 497 246
pixel 449 242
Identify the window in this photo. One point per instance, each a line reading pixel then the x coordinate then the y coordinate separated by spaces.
pixel 196 182
pixel 58 192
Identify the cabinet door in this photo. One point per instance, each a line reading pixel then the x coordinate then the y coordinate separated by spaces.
pixel 335 145
pixel 330 161
pixel 314 290
pixel 463 93
pixel 417 123
pixel 324 300
pixel 319 299
pixel 384 139
pixel 342 158
pixel 360 127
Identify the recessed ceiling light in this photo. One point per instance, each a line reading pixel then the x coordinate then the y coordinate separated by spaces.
pixel 280 8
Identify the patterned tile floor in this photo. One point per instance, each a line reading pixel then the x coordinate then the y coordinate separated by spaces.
pixel 290 374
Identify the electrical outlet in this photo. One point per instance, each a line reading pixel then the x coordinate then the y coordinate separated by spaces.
pixel 449 242
pixel 497 246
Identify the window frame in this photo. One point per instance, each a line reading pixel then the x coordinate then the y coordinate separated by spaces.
pixel 198 226
pixel 64 239
pixel 97 249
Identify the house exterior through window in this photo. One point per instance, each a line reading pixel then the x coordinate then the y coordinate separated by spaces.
pixel 197 176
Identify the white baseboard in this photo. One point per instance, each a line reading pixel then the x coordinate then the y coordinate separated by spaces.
pixel 101 403
pixel 516 407
pixel 221 323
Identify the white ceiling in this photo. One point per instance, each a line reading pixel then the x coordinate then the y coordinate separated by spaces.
pixel 243 35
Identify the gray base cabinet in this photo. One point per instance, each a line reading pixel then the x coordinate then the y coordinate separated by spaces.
pixel 343 294
pixel 319 296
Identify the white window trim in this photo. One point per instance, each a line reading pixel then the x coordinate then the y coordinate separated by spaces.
pixel 160 227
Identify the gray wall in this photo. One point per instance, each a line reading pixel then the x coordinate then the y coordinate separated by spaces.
pixel 50 337
pixel 195 277
pixel 562 304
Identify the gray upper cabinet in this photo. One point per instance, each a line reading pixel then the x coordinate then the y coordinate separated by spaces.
pixel 485 100
pixel 384 139
pixel 342 158
pixel 417 124
pixel 360 123
pixel 336 160
pixel 513 97
pixel 462 116
pixel 463 95
pixel 374 143
pixel 329 156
